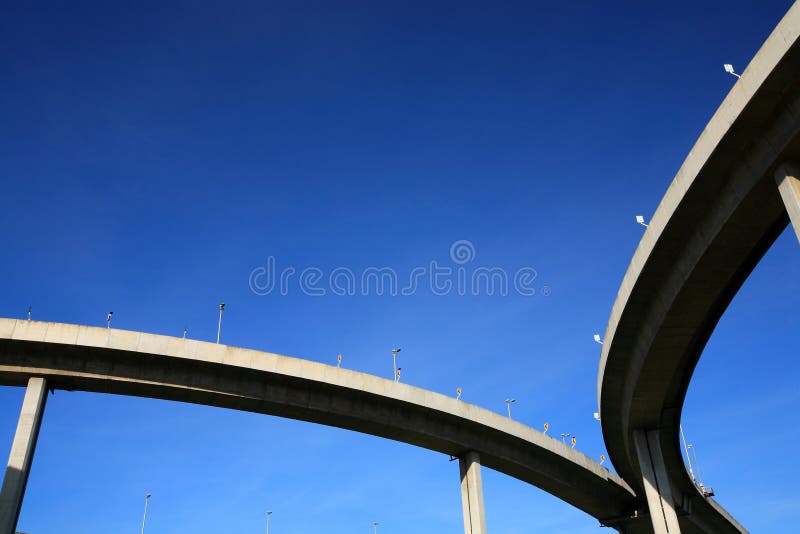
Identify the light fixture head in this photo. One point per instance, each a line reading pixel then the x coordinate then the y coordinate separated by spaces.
pixel 729 69
pixel 597 339
pixel 597 415
pixel 222 306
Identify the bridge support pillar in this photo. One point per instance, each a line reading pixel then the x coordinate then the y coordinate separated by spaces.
pixel 19 461
pixel 656 485
pixel 788 178
pixel 472 493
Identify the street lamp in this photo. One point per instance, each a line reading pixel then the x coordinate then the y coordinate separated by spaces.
pixel 144 518
pixel 108 319
pixel 686 448
pixel 268 514
pixel 729 69
pixel 375 527
pixel 394 362
pixel 597 339
pixel 509 402
pixel 219 325
pixel 640 220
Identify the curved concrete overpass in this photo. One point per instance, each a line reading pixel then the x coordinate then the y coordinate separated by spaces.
pixel 719 216
pixel 72 357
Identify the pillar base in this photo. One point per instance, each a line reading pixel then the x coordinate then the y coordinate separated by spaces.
pixel 472 493
pixel 21 457
pixel 656 484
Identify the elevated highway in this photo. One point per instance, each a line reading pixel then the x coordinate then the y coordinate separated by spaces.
pixel 729 201
pixel 71 357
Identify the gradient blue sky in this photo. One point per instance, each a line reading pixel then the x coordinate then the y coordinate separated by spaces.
pixel 153 154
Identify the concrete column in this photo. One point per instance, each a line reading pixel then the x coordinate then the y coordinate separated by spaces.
pixel 472 493
pixel 19 461
pixel 788 178
pixel 656 485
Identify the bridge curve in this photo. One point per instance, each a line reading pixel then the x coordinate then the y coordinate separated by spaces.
pixel 72 357
pixel 717 219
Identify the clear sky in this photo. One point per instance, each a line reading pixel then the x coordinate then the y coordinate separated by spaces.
pixel 154 154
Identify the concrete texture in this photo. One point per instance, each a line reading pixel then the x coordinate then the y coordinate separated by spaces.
pixel 717 219
pixel 788 178
pixel 469 467
pixel 656 484
pixel 104 360
pixel 21 456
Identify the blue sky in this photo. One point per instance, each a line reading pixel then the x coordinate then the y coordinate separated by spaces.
pixel 155 154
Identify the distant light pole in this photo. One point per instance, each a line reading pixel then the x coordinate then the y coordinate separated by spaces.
pixel 375 527
pixel 640 220
pixel 185 331
pixel 564 436
pixel 597 339
pixel 144 518
pixel 219 325
pixel 108 319
pixel 729 69
pixel 697 465
pixel 268 514
pixel 394 362
pixel 509 402
pixel 686 448
pixel 29 312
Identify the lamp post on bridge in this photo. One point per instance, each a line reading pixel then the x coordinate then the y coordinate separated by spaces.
pixel 219 324
pixel 394 362
pixel 509 402
pixel 144 517
pixel 268 514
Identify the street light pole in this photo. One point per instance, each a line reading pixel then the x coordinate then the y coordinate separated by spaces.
pixel 219 325
pixel 375 527
pixel 394 362
pixel 268 514
pixel 508 405
pixel 144 518
pixel 686 448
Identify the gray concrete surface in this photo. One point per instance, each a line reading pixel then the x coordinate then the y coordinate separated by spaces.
pixel 788 178
pixel 469 466
pixel 21 456
pixel 656 483
pixel 115 361
pixel 719 216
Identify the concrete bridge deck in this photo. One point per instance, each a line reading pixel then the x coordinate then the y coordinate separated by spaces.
pixel 719 216
pixel 72 357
